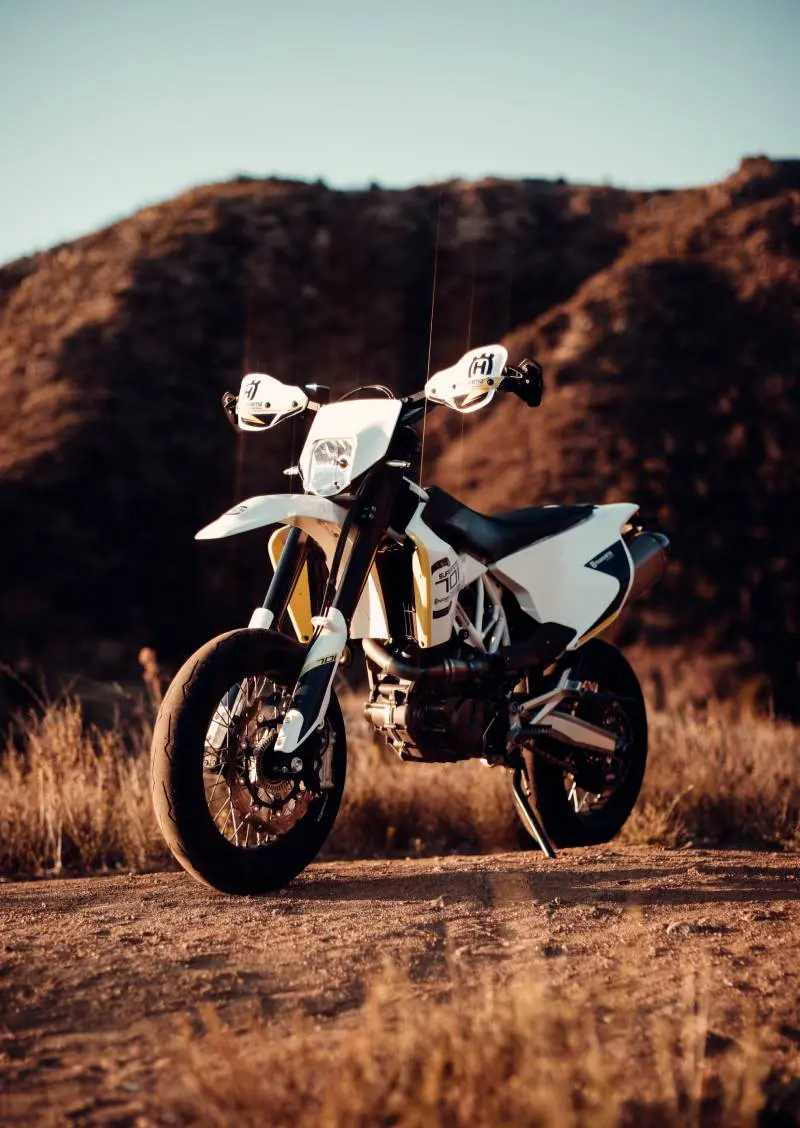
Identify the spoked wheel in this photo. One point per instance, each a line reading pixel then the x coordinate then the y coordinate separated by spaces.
pixel 591 805
pixel 229 817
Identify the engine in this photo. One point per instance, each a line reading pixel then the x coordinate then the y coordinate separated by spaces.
pixel 422 724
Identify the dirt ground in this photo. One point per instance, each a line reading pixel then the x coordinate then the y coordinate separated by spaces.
pixel 97 975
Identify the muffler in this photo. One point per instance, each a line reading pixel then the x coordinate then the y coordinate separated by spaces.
pixel 649 553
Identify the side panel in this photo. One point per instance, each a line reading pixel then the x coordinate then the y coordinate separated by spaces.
pixel 437 582
pixel 578 578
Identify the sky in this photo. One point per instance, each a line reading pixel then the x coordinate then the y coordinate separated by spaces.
pixel 109 105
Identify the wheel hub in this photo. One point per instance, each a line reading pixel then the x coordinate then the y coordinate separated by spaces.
pixel 259 800
pixel 598 777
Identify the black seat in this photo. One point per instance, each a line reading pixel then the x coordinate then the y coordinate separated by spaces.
pixel 491 538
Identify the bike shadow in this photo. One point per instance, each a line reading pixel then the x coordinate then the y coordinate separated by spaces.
pixel 735 884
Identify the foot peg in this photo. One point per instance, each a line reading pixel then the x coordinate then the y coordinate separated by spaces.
pixel 530 816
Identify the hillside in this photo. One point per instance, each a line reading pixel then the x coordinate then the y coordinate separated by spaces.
pixel 668 322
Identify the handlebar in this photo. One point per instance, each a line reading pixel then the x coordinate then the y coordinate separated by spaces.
pixel 524 380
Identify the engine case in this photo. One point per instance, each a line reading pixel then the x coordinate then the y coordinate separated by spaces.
pixel 423 725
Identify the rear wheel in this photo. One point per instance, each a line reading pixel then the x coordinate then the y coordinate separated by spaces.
pixel 230 819
pixel 591 805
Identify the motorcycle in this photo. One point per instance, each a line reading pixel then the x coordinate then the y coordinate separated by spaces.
pixel 480 637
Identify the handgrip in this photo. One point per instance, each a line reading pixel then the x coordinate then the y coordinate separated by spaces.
pixel 525 380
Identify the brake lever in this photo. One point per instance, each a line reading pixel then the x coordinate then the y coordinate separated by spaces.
pixel 417 406
pixel 229 402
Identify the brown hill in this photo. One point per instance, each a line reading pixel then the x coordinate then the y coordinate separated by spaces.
pixel 668 322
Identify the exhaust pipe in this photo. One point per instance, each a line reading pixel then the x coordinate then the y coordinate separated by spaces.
pixel 447 671
pixel 649 553
pixel 547 642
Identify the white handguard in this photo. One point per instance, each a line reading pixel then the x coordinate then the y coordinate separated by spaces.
pixel 469 384
pixel 264 402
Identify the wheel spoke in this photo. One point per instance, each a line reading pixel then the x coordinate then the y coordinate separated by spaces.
pixel 214 788
pixel 228 816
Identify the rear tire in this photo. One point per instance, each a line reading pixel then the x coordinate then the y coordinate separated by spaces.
pixel 601 662
pixel 178 765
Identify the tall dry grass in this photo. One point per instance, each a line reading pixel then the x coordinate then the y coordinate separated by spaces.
pixel 483 1054
pixel 713 779
pixel 76 797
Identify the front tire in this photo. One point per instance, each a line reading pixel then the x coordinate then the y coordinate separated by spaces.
pixel 571 815
pixel 288 827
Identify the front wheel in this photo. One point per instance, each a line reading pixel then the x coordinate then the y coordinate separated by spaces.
pixel 591 806
pixel 227 816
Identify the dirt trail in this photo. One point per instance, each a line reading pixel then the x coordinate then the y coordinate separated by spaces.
pixel 97 974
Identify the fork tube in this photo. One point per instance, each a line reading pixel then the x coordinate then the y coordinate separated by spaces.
pixel 287 573
pixel 370 522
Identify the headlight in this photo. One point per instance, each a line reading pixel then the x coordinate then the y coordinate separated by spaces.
pixel 331 466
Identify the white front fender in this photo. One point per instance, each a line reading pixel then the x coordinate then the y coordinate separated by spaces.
pixel 273 509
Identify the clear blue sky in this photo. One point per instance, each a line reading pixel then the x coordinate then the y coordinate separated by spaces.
pixel 106 105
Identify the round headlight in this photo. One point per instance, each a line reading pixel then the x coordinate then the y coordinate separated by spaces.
pixel 331 466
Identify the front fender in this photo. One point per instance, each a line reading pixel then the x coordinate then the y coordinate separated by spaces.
pixel 273 509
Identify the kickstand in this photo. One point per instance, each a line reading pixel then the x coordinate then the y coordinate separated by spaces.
pixel 530 816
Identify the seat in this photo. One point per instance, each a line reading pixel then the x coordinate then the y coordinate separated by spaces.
pixel 491 538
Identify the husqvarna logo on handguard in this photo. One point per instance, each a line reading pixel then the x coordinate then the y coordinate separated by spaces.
pixel 481 365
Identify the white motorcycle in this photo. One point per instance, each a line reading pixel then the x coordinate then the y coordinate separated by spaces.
pixel 479 635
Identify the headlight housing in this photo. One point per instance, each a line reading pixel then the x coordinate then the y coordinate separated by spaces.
pixel 331 466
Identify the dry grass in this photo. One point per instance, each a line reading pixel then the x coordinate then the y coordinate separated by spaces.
pixel 712 779
pixel 481 1054
pixel 717 780
pixel 76 797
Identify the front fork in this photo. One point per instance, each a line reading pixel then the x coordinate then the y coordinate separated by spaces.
pixel 287 573
pixel 284 579
pixel 312 693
